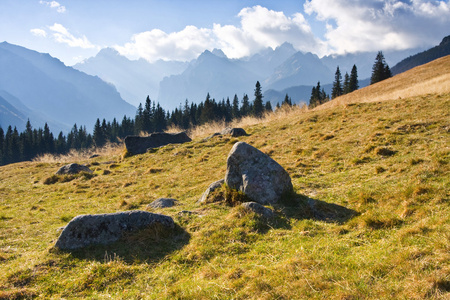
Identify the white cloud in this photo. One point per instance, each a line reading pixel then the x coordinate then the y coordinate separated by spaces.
pixel 372 25
pixel 39 32
pixel 62 35
pixel 53 4
pixel 156 44
pixel 260 28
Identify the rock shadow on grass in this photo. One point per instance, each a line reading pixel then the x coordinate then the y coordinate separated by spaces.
pixel 299 206
pixel 147 245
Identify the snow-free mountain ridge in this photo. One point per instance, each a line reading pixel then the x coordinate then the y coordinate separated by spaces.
pixel 61 95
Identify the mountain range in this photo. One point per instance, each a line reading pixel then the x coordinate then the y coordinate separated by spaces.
pixel 278 70
pixel 39 87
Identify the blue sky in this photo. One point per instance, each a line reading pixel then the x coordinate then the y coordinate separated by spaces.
pixel 73 30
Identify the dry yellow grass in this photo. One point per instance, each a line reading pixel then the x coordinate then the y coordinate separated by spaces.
pixel 386 161
pixel 431 78
pixel 81 155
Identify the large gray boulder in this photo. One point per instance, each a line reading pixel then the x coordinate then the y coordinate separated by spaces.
pixel 73 169
pixel 257 175
pixel 138 144
pixel 85 230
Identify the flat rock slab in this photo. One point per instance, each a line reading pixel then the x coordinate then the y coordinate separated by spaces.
pixel 73 169
pixel 257 175
pixel 85 230
pixel 139 144
pixel 162 203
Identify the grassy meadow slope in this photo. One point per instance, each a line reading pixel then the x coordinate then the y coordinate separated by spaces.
pixel 377 174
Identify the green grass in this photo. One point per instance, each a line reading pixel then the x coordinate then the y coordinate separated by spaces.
pixel 369 219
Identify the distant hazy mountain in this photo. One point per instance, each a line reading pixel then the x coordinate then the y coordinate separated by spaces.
pixel 301 93
pixel 265 62
pixel 47 87
pixel 299 69
pixel 209 73
pixel 13 112
pixel 134 79
pixel 9 115
pixel 443 49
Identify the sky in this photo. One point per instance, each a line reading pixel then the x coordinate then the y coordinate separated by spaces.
pixel 74 30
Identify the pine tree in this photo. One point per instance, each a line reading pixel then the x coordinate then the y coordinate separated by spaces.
pixel 99 136
pixel 235 109
pixel 268 107
pixel 353 85
pixel 245 109
pixel 159 119
pixel 287 100
pixel 346 87
pixel 207 113
pixel 15 146
pixel 314 99
pixel 337 85
pixel 258 102
pixel 380 69
pixel 147 116
pixel 139 120
pixel 60 144
pixel 27 142
pixel 318 96
pixel 48 140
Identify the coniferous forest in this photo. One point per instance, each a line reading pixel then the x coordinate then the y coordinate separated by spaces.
pixel 18 146
pixel 151 117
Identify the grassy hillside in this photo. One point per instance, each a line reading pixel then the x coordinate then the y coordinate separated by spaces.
pixel 377 174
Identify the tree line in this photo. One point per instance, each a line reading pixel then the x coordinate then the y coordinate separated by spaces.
pixel 151 117
pixel 18 146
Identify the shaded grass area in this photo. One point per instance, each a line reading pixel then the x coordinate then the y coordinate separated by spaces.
pixel 370 217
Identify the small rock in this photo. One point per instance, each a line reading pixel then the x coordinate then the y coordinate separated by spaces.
pixel 234 132
pixel 73 169
pixel 162 203
pixel 85 230
pixel 256 175
pixel 212 187
pixel 259 209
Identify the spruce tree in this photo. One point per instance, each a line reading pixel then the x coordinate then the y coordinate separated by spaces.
pixel 139 120
pixel 99 135
pixel 353 85
pixel 147 116
pixel 268 107
pixel 235 107
pixel 258 102
pixel 337 85
pixel 380 69
pixel 245 109
pixel 346 87
pixel 287 100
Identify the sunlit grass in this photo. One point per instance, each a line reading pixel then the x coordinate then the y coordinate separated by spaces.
pixel 377 173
